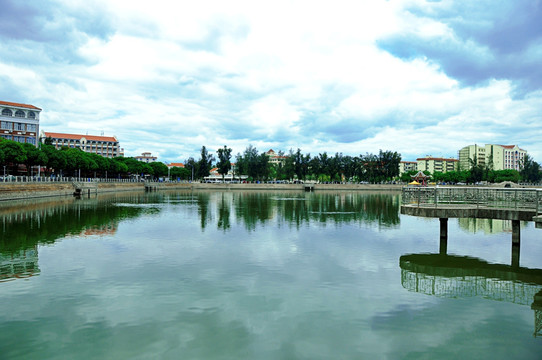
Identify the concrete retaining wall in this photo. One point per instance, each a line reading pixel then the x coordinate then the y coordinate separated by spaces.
pixel 299 187
pixel 15 191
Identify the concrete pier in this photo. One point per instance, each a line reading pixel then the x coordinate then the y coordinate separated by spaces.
pixel 443 235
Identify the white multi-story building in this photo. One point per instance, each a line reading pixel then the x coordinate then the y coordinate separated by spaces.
pixel 146 157
pixel 469 154
pixel 505 157
pixel 433 164
pixel 106 146
pixel 497 157
pixel 406 166
pixel 19 122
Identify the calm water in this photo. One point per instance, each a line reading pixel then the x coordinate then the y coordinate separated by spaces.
pixel 261 275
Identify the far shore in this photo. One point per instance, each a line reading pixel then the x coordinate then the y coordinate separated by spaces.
pixel 19 191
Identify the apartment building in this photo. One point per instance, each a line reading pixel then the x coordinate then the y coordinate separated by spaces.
pixel 406 166
pixel 106 146
pixel 19 122
pixel 505 157
pixel 433 164
pixel 498 157
pixel 468 154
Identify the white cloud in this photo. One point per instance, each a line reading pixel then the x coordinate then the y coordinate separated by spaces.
pixel 171 77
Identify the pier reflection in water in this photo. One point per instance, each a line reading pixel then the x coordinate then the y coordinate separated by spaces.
pixel 460 276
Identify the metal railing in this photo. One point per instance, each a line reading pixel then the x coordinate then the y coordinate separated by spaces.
pixel 519 199
pixel 69 179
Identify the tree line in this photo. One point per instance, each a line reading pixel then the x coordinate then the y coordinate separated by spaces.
pixel 73 162
pixel 295 165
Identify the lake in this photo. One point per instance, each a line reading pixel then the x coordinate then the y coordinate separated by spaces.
pixel 261 275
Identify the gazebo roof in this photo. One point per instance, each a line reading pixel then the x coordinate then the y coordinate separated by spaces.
pixel 419 175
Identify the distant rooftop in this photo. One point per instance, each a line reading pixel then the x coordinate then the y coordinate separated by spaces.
pixel 7 103
pixel 79 137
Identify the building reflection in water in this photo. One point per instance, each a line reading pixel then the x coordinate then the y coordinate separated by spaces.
pixel 487 226
pixel 460 276
pixel 17 265
pixel 27 224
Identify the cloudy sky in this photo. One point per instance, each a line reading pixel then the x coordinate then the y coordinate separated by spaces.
pixel 417 77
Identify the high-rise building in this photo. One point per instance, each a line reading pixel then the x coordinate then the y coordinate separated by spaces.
pixel 19 122
pixel 505 157
pixel 496 157
pixel 471 154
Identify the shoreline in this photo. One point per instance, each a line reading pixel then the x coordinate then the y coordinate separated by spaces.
pixel 21 191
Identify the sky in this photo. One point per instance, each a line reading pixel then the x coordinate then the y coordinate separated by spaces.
pixel 168 77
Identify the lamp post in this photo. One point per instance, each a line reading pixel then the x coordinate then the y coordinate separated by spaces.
pixel 168 171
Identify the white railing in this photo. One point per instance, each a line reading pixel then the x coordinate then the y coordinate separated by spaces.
pixel 519 199
pixel 70 179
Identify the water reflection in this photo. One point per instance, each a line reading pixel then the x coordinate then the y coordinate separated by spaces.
pixel 27 224
pixel 460 276
pixel 296 209
pixel 17 265
pixel 487 226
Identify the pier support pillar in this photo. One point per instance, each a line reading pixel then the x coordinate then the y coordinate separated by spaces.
pixel 515 232
pixel 515 243
pixel 443 236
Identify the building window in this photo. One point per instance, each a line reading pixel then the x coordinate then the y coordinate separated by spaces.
pixel 31 140
pixel 6 125
pixel 19 139
pixel 19 113
pixel 7 112
pixel 19 127
pixel 30 127
pixel 7 137
pixel 31 115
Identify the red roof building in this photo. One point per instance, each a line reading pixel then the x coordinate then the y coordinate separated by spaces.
pixel 19 122
pixel 106 146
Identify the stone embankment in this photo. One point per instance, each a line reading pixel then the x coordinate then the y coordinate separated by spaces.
pixel 16 191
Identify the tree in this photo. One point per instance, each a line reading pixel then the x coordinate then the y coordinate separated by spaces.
pixel 288 169
pixel 14 153
pixel 55 159
pixel 247 163
pixel 180 173
pixel 48 140
pixel 193 165
pixel 262 166
pixel 224 163
pixel 34 156
pixel 498 176
pixel 477 171
pixel 301 164
pixel 530 170
pixel 205 163
pixel 159 169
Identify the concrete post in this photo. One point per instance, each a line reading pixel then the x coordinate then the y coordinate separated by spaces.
pixel 443 236
pixel 515 232
pixel 515 243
